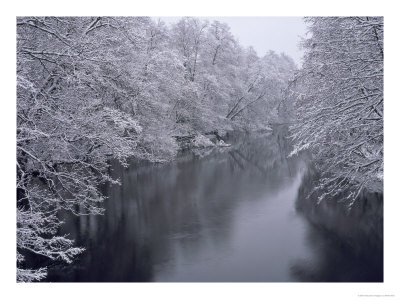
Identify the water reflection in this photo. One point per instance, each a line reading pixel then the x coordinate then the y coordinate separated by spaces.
pixel 229 215
pixel 347 245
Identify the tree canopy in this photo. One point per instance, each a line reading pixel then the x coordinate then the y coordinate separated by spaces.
pixel 91 89
pixel 339 103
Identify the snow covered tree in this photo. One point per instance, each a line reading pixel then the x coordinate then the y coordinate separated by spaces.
pixel 226 87
pixel 260 94
pixel 72 117
pixel 92 89
pixel 339 93
pixel 188 34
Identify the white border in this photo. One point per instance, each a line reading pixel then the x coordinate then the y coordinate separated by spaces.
pixel 11 290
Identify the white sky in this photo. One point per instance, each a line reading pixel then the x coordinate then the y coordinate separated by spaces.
pixel 281 34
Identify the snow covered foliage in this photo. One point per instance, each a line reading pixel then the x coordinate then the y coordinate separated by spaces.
pixel 339 103
pixel 226 87
pixel 221 143
pixel 200 141
pixel 73 115
pixel 90 89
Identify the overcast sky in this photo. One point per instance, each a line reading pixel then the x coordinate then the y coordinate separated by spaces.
pixel 281 34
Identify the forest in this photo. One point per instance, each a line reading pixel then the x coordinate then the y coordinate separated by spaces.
pixel 93 91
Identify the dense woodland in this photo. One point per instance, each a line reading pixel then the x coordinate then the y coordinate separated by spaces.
pixel 339 105
pixel 93 89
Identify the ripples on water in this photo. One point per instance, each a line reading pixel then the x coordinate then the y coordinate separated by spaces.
pixel 233 214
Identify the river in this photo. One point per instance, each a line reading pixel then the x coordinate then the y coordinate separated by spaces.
pixel 231 214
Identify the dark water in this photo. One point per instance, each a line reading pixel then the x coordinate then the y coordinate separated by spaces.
pixel 235 214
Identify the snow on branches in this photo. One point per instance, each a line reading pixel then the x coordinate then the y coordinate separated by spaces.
pixel 68 128
pixel 339 103
pixel 91 89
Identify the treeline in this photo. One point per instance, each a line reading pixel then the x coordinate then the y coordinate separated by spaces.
pixel 94 88
pixel 339 105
